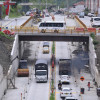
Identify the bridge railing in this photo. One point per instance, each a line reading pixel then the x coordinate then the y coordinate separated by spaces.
pixel 69 30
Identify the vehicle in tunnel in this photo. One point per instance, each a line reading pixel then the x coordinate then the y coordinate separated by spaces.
pixel 64 66
pixel 70 98
pixel 66 91
pixel 46 50
pixel 41 70
pixel 65 79
pixel 23 70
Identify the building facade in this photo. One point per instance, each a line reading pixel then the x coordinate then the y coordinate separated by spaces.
pixel 92 5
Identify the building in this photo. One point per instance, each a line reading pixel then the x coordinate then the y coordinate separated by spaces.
pixel 92 5
pixel 78 7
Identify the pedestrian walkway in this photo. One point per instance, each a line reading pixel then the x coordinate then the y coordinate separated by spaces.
pixel 12 22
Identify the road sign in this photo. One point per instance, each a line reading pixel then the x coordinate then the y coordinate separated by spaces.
pixel 82 78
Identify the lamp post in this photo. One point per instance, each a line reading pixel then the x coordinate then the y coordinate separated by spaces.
pixel 46 4
pixel 16 22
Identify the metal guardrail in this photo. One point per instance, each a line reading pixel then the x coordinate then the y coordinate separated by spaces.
pixel 70 30
pixel 26 22
pixel 84 26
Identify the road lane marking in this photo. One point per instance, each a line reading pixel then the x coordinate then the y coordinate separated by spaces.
pixel 55 72
pixel 50 78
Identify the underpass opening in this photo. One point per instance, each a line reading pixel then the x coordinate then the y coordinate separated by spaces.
pixel 42 37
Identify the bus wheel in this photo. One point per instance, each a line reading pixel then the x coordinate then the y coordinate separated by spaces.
pixel 43 31
pixel 56 31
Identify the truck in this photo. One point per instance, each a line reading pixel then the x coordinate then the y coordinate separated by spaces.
pixel 64 66
pixel 98 91
pixel 41 70
pixel 23 70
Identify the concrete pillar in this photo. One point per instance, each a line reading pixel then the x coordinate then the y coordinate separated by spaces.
pixel 90 4
pixel 98 3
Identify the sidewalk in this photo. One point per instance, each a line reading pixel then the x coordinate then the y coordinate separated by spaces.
pixel 12 22
pixel 88 95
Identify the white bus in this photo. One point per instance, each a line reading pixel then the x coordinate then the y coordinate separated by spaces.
pixel 51 26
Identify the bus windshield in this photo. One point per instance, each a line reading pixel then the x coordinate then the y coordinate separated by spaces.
pixel 51 24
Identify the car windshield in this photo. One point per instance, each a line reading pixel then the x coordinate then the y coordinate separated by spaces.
pixel 96 19
pixel 71 99
pixel 66 89
pixel 45 48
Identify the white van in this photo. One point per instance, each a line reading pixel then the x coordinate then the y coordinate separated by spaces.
pixel 52 26
pixel 95 22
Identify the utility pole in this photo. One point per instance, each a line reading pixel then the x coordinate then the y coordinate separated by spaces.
pixel 68 5
pixel 46 4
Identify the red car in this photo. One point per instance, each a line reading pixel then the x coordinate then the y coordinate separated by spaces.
pixel 8 32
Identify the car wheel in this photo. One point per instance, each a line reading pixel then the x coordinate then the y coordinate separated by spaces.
pixel 43 31
pixel 55 31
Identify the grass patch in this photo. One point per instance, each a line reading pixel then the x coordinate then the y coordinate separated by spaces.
pixel 52 97
pixel 95 42
pixel 92 35
pixel 53 48
pixel 4 35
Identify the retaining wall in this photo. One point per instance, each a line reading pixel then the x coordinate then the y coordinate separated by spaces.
pixel 93 62
pixel 3 83
pixel 5 80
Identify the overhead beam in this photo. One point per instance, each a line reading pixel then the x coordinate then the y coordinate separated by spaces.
pixel 54 38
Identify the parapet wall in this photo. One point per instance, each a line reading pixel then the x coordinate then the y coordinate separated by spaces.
pixel 3 83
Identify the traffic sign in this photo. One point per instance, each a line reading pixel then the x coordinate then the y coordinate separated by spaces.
pixel 82 78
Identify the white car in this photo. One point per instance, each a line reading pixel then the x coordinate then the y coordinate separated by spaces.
pixel 65 79
pixel 28 13
pixel 95 22
pixel 91 15
pixel 70 98
pixel 66 91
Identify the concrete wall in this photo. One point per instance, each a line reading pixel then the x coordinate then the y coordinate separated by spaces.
pixel 93 62
pixel 15 54
pixel 3 83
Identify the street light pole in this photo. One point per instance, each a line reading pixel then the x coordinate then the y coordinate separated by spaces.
pixel 68 5
pixel 46 4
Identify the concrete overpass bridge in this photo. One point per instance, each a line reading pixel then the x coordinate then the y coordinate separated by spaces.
pixel 54 37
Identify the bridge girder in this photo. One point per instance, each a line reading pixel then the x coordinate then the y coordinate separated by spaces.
pixel 54 38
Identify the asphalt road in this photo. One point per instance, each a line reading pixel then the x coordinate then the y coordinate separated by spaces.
pixel 40 91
